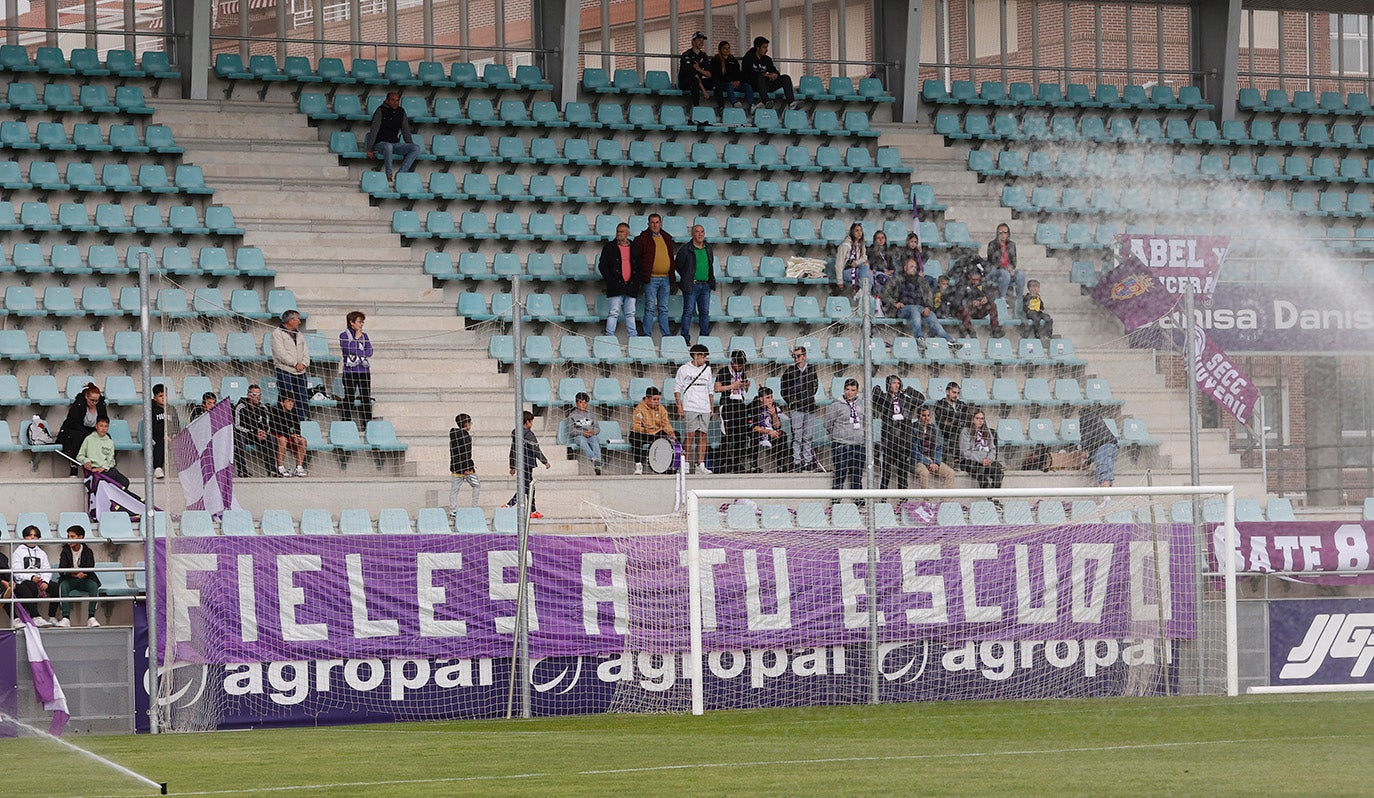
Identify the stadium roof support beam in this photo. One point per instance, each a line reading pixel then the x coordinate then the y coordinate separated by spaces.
pixel 1218 21
pixel 898 40
pixel 556 43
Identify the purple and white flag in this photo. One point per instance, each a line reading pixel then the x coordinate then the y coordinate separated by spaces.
pixel 104 495
pixel 45 683
pixel 204 453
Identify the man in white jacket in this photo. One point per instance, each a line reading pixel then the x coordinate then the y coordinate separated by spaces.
pixel 32 573
pixel 291 358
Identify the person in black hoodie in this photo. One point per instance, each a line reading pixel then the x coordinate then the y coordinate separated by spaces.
pixel 759 70
pixel 460 463
pixel 729 78
pixel 896 408
pixel 621 270
pixel 532 454
pixel 694 74
pixel 80 421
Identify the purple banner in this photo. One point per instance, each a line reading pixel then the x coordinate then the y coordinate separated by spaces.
pixel 241 600
pixel 1220 378
pixel 1323 552
pixel 9 682
pixel 1319 316
pixel 1321 641
pixel 1153 272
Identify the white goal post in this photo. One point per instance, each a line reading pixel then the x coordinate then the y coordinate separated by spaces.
pixel 1120 551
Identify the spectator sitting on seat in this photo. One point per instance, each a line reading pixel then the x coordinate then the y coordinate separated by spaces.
pixel 291 358
pixel 942 299
pixel 461 466
pixel 583 429
pixel 1002 262
pixel 908 297
pixel 694 74
pixel 656 250
pixel 729 78
pixel 32 574
pixel 621 271
pixel 285 427
pixel 159 430
pixel 692 392
pixel 649 423
pixel 880 262
pixel 977 301
pixel 768 435
pixel 951 416
pixel 208 400
pixel 85 582
pixel 532 455
pixel 913 249
pixel 98 453
pixel 80 421
pixel 390 135
pixel 251 430
pixel 1033 310
pixel 928 448
pixel 759 70
pixel 1101 446
pixel 978 449
pixel 356 349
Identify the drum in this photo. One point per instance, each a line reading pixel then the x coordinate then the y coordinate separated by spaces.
pixel 665 456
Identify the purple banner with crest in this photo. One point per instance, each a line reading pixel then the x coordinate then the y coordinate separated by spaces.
pixel 314 598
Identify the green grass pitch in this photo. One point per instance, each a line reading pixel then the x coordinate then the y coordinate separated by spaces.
pixel 1274 745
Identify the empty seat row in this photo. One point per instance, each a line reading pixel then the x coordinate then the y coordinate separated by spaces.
pixel 364 71
pixel 99 300
pixel 671 191
pixel 1151 130
pixel 1073 96
pixel 126 345
pixel 118 178
pixel 658 83
pixel 1068 164
pixel 87 137
pixel 612 152
pixel 607 350
pixel 86 61
pixel 109 218
pixel 90 98
pixel 71 259
pixel 1184 202
pixel 1278 101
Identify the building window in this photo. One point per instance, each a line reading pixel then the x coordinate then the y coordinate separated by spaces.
pixel 987 24
pixel 1349 44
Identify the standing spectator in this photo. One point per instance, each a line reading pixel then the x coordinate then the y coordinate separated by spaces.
pixel 729 78
pixel 460 463
pixel 977 301
pixel 208 400
pixel 291 357
pixel 32 574
pixel 98 453
pixel 1002 262
pixel 76 554
pixel 844 420
pixel 765 424
pixel 928 448
pixel 621 270
pixel 951 416
pixel 799 386
pixel 583 429
pixel 655 249
pixel 356 349
pixel 532 453
pixel 159 430
pixel 390 135
pixel 978 448
pixel 80 421
pixel 732 383
pixel 649 423
pixel 759 70
pixel 251 430
pixel 695 264
pixel 694 73
pixel 285 426
pixel 1101 446
pixel 851 260
pixel 1033 310
pixel 6 584
pixel 896 409
pixel 692 390
pixel 908 297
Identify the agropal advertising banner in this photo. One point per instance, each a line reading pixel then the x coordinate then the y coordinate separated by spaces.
pixel 343 629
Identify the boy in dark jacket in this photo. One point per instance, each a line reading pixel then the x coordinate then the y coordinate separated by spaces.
pixel 532 453
pixel 460 463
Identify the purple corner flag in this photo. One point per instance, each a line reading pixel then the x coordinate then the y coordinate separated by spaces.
pixel 204 453
pixel 45 683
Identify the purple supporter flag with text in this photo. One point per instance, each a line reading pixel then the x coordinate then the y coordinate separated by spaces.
pixel 45 684
pixel 1220 377
pixel 1135 293
pixel 204 454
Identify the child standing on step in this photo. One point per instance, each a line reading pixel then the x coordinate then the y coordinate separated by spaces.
pixel 460 463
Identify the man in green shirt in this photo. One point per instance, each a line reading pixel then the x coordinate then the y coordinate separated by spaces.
pixel 695 265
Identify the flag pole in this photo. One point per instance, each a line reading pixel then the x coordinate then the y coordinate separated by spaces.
pixel 149 505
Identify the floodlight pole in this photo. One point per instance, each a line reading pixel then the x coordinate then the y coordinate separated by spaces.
pixel 871 578
pixel 149 514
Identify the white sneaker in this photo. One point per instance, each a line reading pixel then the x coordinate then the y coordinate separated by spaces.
pixel 686 468
pixel 42 623
pixel 18 624
pixel 158 473
pixel 639 469
pixel 65 623
pixel 282 472
pixel 702 469
pixel 92 622
pixel 300 471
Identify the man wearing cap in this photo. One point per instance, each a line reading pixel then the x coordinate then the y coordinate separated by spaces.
pixel 291 357
pixel 694 70
pixel 761 73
